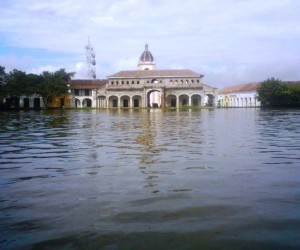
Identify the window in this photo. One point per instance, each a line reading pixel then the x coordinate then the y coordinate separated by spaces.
pixel 76 91
pixel 127 82
pixel 112 83
pixel 132 82
pixel 122 82
pixel 138 82
pixel 117 82
pixel 87 92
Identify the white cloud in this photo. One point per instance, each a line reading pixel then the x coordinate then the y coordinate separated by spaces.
pixel 231 42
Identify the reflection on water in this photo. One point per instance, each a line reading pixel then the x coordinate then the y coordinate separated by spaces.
pixel 140 179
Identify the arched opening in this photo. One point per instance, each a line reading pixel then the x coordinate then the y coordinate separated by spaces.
pixel 183 100
pixel 154 98
pixel 102 102
pixel 137 101
pixel 77 103
pixel 154 81
pixel 113 101
pixel 209 100
pixel 196 100
pixel 26 102
pixel 125 101
pixel 37 103
pixel 87 103
pixel 171 101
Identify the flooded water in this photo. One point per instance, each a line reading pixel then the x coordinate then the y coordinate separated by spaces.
pixel 150 179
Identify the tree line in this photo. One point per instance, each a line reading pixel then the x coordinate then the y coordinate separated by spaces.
pixel 14 84
pixel 276 93
pixel 47 85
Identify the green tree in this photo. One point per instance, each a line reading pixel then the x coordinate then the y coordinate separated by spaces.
pixel 32 83
pixel 274 93
pixel 16 83
pixel 53 84
pixel 295 95
pixel 3 77
pixel 47 85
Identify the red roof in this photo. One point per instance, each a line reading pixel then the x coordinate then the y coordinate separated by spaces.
pixel 240 88
pixel 88 83
pixel 155 73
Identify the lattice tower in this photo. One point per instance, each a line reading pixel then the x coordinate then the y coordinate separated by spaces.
pixel 90 60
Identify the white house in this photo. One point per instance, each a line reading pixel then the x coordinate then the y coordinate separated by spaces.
pixel 239 96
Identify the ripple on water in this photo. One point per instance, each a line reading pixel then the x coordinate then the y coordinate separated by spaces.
pixel 150 179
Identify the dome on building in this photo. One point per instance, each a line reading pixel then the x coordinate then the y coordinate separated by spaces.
pixel 146 61
pixel 146 55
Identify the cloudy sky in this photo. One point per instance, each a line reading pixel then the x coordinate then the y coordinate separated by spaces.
pixel 229 41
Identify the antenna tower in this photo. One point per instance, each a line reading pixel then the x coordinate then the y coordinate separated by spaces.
pixel 90 60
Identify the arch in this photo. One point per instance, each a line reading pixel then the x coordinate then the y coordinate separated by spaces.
pixel 136 101
pixel 102 102
pixel 113 102
pixel 196 100
pixel 171 101
pixel 125 101
pixel 77 103
pixel 183 100
pixel 87 103
pixel 209 100
pixel 154 98
pixel 154 80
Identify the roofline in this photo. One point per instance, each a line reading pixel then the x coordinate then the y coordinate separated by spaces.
pixel 130 77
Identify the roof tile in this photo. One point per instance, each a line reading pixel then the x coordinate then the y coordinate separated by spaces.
pixel 88 83
pixel 155 73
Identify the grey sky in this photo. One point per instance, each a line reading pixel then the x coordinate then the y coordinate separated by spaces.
pixel 229 41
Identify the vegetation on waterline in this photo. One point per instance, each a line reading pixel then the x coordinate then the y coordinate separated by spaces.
pixel 47 85
pixel 276 93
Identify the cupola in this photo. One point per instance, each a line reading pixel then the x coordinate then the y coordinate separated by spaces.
pixel 146 61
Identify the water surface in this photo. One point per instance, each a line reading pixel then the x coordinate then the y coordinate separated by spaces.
pixel 150 179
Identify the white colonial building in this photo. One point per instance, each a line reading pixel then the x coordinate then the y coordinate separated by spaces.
pixel 145 87
pixel 239 96
pixel 85 92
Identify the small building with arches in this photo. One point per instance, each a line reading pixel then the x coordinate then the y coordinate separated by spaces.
pixel 85 92
pixel 145 87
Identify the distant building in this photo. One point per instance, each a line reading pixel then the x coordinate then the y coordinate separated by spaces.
pixel 85 92
pixel 243 95
pixel 145 87
pixel 35 101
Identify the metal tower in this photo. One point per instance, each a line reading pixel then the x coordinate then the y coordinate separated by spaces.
pixel 91 61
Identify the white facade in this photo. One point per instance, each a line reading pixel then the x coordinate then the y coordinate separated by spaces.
pixel 244 95
pixel 238 99
pixel 25 102
pixel 86 98
pixel 145 87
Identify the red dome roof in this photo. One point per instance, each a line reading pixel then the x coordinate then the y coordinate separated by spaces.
pixel 146 55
